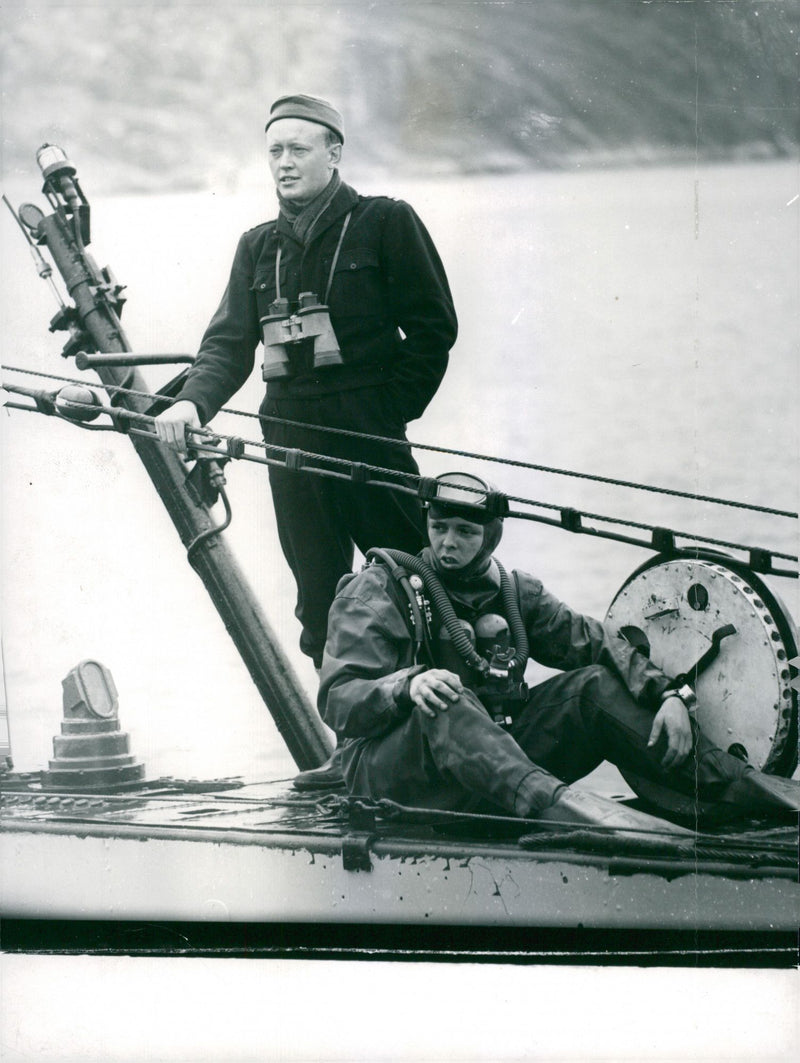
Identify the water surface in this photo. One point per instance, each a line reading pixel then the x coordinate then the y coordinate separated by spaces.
pixel 638 324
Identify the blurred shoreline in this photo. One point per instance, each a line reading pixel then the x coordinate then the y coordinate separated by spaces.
pixel 172 97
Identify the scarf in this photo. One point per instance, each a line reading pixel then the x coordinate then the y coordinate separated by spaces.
pixel 304 218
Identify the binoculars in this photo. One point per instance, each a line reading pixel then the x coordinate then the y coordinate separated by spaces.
pixel 283 333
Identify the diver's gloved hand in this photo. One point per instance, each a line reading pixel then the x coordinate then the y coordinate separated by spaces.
pixel 757 793
pixel 581 807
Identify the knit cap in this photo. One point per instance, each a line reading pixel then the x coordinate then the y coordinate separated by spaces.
pixel 309 108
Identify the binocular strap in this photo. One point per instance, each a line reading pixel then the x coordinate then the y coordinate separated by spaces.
pixel 336 254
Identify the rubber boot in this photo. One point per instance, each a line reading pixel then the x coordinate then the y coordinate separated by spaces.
pixel 327 776
pixel 758 793
pixel 584 807
pixel 619 827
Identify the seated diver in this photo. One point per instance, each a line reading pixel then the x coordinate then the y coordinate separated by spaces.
pixel 419 726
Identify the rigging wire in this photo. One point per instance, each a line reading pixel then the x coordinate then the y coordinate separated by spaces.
pixel 345 469
pixel 367 437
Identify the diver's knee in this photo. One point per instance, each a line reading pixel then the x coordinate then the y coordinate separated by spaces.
pixel 461 717
pixel 600 688
pixel 597 679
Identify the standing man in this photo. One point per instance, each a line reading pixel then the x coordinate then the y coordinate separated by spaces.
pixel 369 365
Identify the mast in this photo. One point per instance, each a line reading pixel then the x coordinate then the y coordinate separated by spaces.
pixel 94 325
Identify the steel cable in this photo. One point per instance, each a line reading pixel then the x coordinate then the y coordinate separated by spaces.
pixel 211 438
pixel 532 466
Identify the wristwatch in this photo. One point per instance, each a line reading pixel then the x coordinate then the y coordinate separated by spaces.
pixel 685 693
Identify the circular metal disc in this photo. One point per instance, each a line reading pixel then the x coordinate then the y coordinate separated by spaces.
pixel 745 703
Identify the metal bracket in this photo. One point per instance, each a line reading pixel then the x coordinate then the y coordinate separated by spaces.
pixel 355 850
pixel 760 560
pixel 571 519
pixel 206 478
pixel 663 541
pixel 109 290
pixel 360 835
pixel 66 319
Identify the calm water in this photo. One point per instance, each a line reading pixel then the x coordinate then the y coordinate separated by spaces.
pixel 634 324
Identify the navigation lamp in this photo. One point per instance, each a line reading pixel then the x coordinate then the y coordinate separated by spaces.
pixel 92 753
pixel 90 691
pixel 52 161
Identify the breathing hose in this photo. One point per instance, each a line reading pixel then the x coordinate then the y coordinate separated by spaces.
pixel 444 606
pixel 508 591
pixel 441 602
pixel 400 575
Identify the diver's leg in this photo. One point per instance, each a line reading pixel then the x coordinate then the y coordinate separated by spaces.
pixel 578 719
pixel 575 720
pixel 449 761
pixel 462 760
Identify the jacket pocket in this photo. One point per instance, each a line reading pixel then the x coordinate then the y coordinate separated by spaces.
pixel 357 283
pixel 263 287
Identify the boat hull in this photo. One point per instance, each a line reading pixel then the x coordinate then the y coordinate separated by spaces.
pixel 115 871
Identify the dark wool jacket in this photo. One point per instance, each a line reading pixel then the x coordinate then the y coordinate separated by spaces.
pixel 390 306
pixel 369 655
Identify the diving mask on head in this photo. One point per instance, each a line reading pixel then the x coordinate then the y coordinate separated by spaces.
pixel 468 498
pixel 460 494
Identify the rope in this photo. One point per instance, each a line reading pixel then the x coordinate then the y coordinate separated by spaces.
pixel 514 462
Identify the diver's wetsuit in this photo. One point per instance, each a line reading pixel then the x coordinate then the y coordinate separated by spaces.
pixel 600 708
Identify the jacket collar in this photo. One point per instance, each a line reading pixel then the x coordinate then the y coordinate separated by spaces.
pixel 344 201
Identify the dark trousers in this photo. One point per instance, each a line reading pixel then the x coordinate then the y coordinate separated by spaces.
pixel 569 725
pixel 321 519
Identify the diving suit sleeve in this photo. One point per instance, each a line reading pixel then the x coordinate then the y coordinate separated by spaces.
pixel 227 350
pixel 368 659
pixel 561 638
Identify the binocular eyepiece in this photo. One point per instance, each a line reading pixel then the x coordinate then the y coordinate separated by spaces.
pixel 283 333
